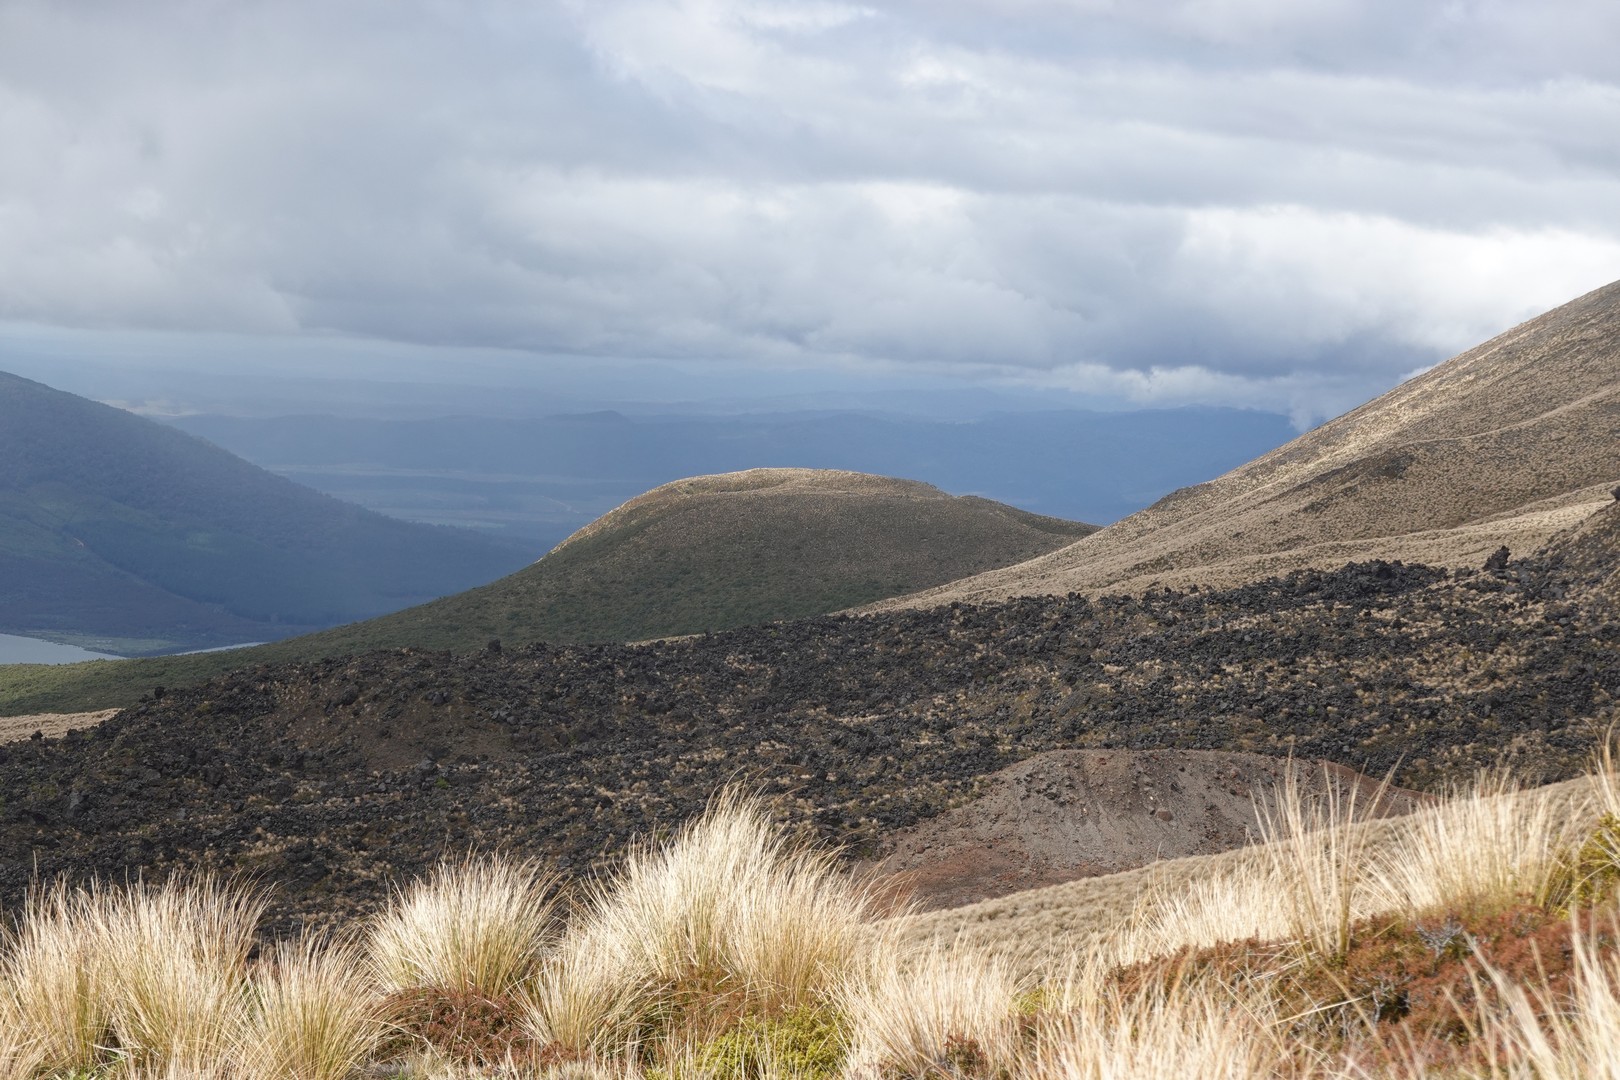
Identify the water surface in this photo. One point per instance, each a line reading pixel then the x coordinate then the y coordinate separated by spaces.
pixel 26 650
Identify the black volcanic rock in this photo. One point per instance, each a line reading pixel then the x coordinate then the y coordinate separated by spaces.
pixel 330 779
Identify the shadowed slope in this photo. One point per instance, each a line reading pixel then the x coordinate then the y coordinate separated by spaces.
pixel 1589 554
pixel 118 531
pixel 1507 443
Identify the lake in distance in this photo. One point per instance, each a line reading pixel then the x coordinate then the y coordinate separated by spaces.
pixel 26 650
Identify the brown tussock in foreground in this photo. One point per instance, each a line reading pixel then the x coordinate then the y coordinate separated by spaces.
pixel 1479 937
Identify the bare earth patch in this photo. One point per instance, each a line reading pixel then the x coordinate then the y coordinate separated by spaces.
pixel 1028 929
pixel 51 725
pixel 1070 814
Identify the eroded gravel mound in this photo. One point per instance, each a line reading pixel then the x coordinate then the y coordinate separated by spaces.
pixel 1069 814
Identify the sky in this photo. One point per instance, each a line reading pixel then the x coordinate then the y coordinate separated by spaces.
pixel 1282 204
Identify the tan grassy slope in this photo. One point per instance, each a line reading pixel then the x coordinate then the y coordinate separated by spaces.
pixel 713 552
pixel 1508 443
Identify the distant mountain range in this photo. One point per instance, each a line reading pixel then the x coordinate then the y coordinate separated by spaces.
pixel 127 536
pixel 544 478
pixel 1204 623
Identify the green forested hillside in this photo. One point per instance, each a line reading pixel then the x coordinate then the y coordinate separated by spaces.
pixel 123 533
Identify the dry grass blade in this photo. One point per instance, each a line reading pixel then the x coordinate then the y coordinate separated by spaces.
pixel 312 1015
pixel 57 1008
pixel 478 926
pixel 932 1013
pixel 176 962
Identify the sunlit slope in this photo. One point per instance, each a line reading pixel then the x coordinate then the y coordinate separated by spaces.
pixel 1508 443
pixel 118 531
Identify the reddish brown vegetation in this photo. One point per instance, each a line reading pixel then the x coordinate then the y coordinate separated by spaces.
pixel 463 1026
pixel 1407 989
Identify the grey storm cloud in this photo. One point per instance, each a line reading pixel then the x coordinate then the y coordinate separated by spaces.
pixel 1282 203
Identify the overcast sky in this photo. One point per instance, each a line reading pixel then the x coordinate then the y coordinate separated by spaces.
pixel 1282 203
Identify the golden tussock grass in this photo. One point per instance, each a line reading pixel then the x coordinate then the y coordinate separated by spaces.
pixel 173 960
pixel 476 926
pixel 312 1014
pixel 1196 1034
pixel 55 1004
pixel 934 1011
pixel 729 952
pixel 727 917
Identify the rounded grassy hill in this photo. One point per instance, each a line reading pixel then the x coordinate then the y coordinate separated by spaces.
pixel 708 553
pixel 713 552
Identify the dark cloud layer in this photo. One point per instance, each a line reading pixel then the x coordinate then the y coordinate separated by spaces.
pixel 1273 202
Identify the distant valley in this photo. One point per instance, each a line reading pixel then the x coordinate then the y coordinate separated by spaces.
pixel 121 535
pixel 541 479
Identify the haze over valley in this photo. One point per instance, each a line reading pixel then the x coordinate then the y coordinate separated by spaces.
pixel 540 479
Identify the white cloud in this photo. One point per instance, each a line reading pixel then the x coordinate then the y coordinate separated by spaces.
pixel 1159 199
pixel 1310 278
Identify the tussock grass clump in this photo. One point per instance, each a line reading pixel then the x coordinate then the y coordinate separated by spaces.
pixel 174 960
pixel 932 1013
pixel 1307 882
pixel 479 926
pixel 1491 846
pixel 312 1014
pixel 55 1004
pixel 588 997
pixel 726 919
pixel 1316 861
pixel 1229 906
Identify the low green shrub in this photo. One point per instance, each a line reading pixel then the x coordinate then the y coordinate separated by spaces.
pixel 807 1041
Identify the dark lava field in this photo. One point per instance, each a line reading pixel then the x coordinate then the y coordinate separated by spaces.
pixel 331 781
